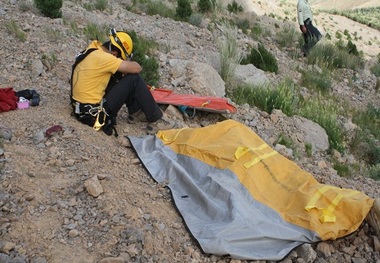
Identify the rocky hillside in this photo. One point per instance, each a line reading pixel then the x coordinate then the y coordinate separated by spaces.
pixel 48 214
pixel 344 5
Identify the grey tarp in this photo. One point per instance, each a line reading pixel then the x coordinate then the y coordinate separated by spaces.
pixel 217 209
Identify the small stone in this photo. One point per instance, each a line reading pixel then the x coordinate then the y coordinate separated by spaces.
pixel 5 133
pixel 376 244
pixel 93 186
pixel 135 161
pixel 39 137
pixel 7 247
pixel 29 197
pixel 123 141
pixel 112 260
pixel 73 233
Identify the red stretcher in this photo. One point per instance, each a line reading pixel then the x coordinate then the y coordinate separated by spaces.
pixel 195 102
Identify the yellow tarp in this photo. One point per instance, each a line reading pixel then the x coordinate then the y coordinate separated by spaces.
pixel 272 179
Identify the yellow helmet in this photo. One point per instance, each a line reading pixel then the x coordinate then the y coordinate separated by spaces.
pixel 123 42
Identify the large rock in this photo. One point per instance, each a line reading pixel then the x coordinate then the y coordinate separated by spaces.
pixel 249 74
pixel 202 77
pixel 312 133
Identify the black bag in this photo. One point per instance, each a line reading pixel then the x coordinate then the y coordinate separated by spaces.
pixel 31 95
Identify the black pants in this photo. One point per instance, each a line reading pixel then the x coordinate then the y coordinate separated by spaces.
pixel 311 37
pixel 132 91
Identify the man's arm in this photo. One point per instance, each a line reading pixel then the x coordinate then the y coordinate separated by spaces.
pixel 129 67
pixel 300 14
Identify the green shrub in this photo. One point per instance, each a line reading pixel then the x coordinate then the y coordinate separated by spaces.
pixel 73 26
pixel 205 6
pixel 94 31
pixel 256 31
pixel 324 112
pixel 262 59
pixel 287 37
pixel 88 6
pixel 368 120
pixel 49 8
pixel 183 10
pixel 352 49
pixel 375 69
pixel 347 34
pixel 319 81
pixel 342 169
pixel 358 144
pixel 13 28
pixel 25 6
pixel 365 143
pixel 374 172
pixel 373 154
pixel 349 48
pixel 234 7
pixel 101 4
pixel 285 97
pixel 286 141
pixel 368 16
pixel 51 59
pixel 158 7
pixel 332 57
pixel 230 55
pixel 53 34
pixel 143 54
pixel 243 24
pixel 364 147
pixel 309 149
pixel 196 19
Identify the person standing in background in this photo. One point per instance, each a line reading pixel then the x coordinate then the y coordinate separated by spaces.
pixel 310 33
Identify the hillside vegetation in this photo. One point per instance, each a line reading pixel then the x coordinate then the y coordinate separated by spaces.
pixel 366 16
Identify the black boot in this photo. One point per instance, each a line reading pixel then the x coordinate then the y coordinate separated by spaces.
pixel 109 127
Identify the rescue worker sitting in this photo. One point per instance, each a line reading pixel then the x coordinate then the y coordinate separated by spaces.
pixel 96 100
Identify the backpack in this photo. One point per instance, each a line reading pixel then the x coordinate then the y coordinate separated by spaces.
pixel 82 55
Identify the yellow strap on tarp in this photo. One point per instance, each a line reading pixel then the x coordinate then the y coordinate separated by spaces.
pixel 327 213
pixel 240 151
pixel 168 140
pixel 316 197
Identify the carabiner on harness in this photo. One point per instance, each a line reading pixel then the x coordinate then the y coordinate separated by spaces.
pixel 100 120
pixel 100 113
